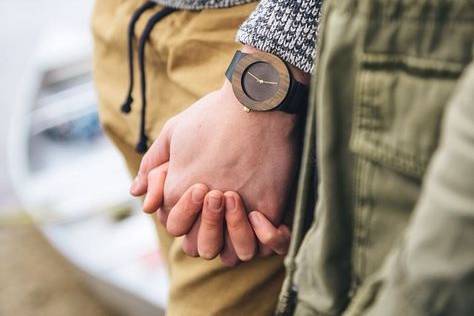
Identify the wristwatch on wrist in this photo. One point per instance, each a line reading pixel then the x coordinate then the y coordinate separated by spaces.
pixel 263 82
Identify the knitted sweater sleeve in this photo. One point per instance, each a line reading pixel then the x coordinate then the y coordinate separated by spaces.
pixel 286 28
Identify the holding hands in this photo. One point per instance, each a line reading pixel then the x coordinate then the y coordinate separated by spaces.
pixel 203 156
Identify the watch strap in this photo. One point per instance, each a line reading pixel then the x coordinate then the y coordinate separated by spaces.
pixel 296 100
pixel 235 60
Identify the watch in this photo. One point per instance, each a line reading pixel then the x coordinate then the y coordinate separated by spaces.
pixel 263 82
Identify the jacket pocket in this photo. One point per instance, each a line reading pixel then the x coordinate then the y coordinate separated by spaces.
pixel 399 106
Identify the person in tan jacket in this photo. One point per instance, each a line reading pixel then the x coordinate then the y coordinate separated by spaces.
pixel 153 60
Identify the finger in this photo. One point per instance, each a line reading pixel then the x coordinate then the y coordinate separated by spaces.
pixel 211 234
pixel 156 155
pixel 278 239
pixel 240 231
pixel 156 183
pixel 228 256
pixel 190 241
pixel 184 213
pixel 162 215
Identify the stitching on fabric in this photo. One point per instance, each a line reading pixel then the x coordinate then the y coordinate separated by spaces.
pixel 365 139
pixel 415 63
pixel 393 157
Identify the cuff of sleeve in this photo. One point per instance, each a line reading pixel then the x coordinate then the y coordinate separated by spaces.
pixel 287 29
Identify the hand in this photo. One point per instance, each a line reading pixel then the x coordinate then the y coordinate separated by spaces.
pixel 208 236
pixel 208 241
pixel 216 143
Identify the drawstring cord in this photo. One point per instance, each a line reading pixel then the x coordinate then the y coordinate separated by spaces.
pixel 127 104
pixel 126 107
pixel 142 144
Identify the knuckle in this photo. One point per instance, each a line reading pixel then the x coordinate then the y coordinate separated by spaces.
pixel 210 220
pixel 201 187
pixel 235 220
pixel 189 210
pixel 235 223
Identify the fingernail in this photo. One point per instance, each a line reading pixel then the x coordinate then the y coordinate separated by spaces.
pixel 254 218
pixel 215 202
pixel 230 202
pixel 198 195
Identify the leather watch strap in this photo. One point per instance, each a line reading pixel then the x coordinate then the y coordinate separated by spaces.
pixel 296 100
pixel 230 70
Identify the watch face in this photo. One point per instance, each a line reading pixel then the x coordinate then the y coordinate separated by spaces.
pixel 260 81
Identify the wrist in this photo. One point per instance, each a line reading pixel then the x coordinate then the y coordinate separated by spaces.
pixel 263 118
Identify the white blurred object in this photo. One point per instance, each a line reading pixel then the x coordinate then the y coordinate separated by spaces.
pixel 72 181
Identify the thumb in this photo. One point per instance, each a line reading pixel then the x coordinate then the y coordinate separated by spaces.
pixel 276 238
pixel 158 154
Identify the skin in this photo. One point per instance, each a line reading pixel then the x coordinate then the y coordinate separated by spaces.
pixel 251 153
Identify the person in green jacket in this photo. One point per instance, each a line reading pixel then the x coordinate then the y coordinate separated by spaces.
pixel 393 113
pixel 391 123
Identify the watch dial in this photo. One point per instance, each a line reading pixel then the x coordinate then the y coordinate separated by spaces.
pixel 260 81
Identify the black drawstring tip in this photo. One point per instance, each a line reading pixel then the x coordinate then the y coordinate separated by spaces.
pixel 142 145
pixel 127 105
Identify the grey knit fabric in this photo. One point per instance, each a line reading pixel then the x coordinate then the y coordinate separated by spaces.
pixel 286 28
pixel 202 4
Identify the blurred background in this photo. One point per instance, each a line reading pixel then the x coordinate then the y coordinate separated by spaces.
pixel 72 241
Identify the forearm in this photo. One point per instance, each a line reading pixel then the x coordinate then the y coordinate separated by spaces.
pixel 287 29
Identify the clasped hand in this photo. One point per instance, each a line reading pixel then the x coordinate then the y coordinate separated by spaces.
pixel 213 163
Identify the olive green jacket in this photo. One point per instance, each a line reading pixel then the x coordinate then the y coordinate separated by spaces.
pixel 392 114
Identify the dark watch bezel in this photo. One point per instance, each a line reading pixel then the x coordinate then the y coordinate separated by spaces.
pixel 283 86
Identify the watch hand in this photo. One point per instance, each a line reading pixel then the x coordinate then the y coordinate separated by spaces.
pixel 270 82
pixel 256 78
